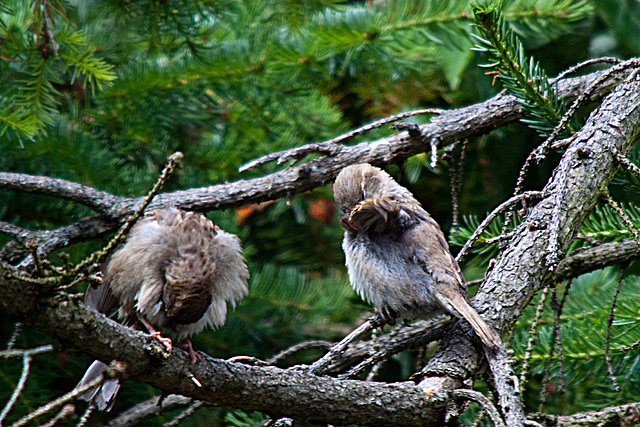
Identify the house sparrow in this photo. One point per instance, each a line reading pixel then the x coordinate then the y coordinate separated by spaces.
pixel 396 255
pixel 174 275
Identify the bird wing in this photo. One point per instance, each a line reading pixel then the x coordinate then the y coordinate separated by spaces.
pixel 381 215
pixel 188 290
pixel 101 299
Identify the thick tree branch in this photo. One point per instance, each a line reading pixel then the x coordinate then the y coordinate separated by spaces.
pixel 278 392
pixel 584 171
pixel 450 126
pixel 569 197
pixel 99 201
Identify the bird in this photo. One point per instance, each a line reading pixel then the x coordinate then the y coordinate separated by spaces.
pixel 174 276
pixel 396 255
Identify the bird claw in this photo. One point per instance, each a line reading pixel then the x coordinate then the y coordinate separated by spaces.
pixel 163 340
pixel 188 347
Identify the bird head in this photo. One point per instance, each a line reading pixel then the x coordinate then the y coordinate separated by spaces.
pixel 360 182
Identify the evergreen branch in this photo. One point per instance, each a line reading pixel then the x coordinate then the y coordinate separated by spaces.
pixel 523 77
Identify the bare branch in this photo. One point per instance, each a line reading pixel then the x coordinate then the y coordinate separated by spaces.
pixel 142 410
pixel 320 365
pixel 483 401
pixel 528 195
pixel 99 201
pixel 450 126
pixel 628 414
pixel 568 198
pixel 329 147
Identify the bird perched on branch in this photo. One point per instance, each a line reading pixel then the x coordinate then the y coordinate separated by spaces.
pixel 174 276
pixel 396 255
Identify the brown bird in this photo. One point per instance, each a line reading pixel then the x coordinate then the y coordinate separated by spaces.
pixel 396 255
pixel 174 275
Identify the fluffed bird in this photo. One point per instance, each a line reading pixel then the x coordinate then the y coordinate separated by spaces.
pixel 174 276
pixel 396 255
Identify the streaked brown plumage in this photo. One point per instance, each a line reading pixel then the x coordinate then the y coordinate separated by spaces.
pixel 396 254
pixel 174 275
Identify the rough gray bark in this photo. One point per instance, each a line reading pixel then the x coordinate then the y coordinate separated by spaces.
pixel 528 261
pixel 623 416
pixel 274 391
pixel 444 129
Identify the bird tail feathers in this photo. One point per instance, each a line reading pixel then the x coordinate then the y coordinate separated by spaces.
pixel 488 336
pixel 104 395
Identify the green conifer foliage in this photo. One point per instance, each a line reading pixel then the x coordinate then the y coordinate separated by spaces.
pixel 100 92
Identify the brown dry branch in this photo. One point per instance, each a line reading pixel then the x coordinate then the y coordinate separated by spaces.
pixel 522 268
pixel 446 128
pixel 622 415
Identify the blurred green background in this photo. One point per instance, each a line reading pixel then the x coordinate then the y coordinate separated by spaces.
pixel 101 92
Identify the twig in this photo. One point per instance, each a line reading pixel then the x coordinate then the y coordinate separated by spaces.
pixel 184 414
pixel 321 364
pixel 20 352
pixel 387 351
pixel 479 417
pixel 627 163
pixel 296 348
pixel 330 146
pixel 172 163
pixel 17 329
pixel 607 338
pixel 539 153
pixel 532 338
pixel 66 411
pixel 26 365
pixel 593 61
pixel 555 342
pixel 57 402
pixel 622 214
pixel 629 347
pixel 455 174
pixel 85 417
pixel 498 239
pixel 374 371
pixel 528 195
pixel 140 411
pixel 483 401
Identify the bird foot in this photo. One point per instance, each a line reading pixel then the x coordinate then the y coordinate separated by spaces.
pixel 163 340
pixel 188 347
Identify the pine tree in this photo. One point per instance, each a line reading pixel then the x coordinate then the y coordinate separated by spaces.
pixel 100 93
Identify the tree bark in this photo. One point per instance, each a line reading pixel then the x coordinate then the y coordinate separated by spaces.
pixel 527 264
